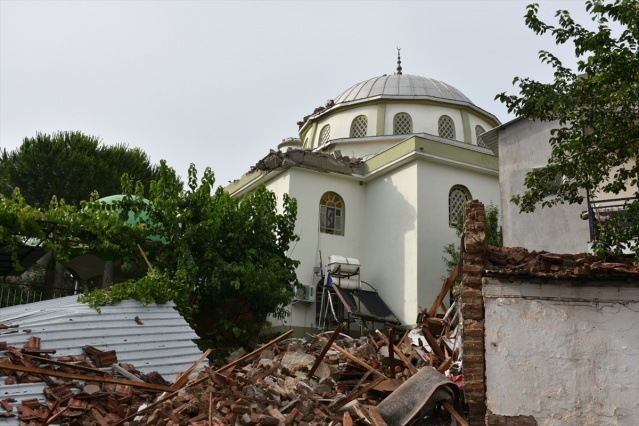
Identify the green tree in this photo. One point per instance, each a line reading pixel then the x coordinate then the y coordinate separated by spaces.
pixel 70 166
pixel 596 144
pixel 224 261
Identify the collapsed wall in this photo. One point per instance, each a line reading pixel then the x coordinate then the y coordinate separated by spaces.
pixel 548 338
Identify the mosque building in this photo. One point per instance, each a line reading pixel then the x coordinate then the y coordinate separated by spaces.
pixel 380 174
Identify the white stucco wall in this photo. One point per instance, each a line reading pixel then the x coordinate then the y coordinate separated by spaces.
pixel 425 117
pixel 523 145
pixel 565 354
pixel 390 240
pixel 308 187
pixel 434 229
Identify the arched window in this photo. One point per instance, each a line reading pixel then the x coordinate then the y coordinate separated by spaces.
pixel 480 142
pixel 359 126
pixel 332 214
pixel 325 134
pixel 457 197
pixel 402 124
pixel 446 127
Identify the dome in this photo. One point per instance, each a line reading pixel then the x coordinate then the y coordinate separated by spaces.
pixel 402 86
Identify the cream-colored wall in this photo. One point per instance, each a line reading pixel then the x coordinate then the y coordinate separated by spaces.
pixel 341 122
pixel 478 121
pixel 425 120
pixel 390 241
pixel 308 187
pixel 396 224
pixel 434 228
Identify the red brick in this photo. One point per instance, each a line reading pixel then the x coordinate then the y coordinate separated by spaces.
pixel 480 358
pixel 473 344
pixel 473 258
pixel 470 268
pixel 477 301
pixel 471 281
pixel 471 292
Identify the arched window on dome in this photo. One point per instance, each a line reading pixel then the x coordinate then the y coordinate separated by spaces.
pixel 446 127
pixel 331 215
pixel 402 124
pixel 325 134
pixel 359 126
pixel 480 142
pixel 457 197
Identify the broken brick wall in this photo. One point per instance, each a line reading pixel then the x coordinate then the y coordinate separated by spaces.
pixel 547 337
pixel 473 311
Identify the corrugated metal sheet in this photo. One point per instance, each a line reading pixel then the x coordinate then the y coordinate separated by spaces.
pixel 163 343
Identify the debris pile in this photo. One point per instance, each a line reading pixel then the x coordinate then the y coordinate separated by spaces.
pixel 322 380
pixel 334 162
pixel 519 261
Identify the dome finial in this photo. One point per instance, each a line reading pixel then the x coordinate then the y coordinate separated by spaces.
pixel 399 61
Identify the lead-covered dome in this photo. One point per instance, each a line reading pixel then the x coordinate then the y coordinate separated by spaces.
pixel 402 86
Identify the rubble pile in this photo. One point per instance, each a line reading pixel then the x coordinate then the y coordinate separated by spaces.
pixel 334 162
pixel 519 261
pixel 328 379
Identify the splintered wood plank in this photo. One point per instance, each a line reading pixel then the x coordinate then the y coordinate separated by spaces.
pixel 339 404
pixel 347 421
pixel 375 417
pixel 398 351
pixel 255 352
pixel 455 414
pixel 354 358
pixel 185 376
pixel 446 285
pixel 325 349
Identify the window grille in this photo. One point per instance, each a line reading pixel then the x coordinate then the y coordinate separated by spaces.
pixel 332 214
pixel 457 197
pixel 480 142
pixel 446 127
pixel 325 134
pixel 402 124
pixel 359 126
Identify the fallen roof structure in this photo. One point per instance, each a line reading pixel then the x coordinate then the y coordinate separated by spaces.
pixel 153 338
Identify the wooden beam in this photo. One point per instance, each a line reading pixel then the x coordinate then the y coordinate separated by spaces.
pixel 455 414
pixel 400 354
pixel 43 360
pixel 54 373
pixel 255 352
pixel 339 404
pixel 184 377
pixel 354 358
pixel 325 349
pixel 447 284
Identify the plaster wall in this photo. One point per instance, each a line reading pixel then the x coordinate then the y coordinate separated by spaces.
pixel 567 355
pixel 434 231
pixel 475 120
pixel 390 261
pixel 308 187
pixel 425 118
pixel 522 147
pixel 340 122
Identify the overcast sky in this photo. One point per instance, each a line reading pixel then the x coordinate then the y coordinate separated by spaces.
pixel 218 84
